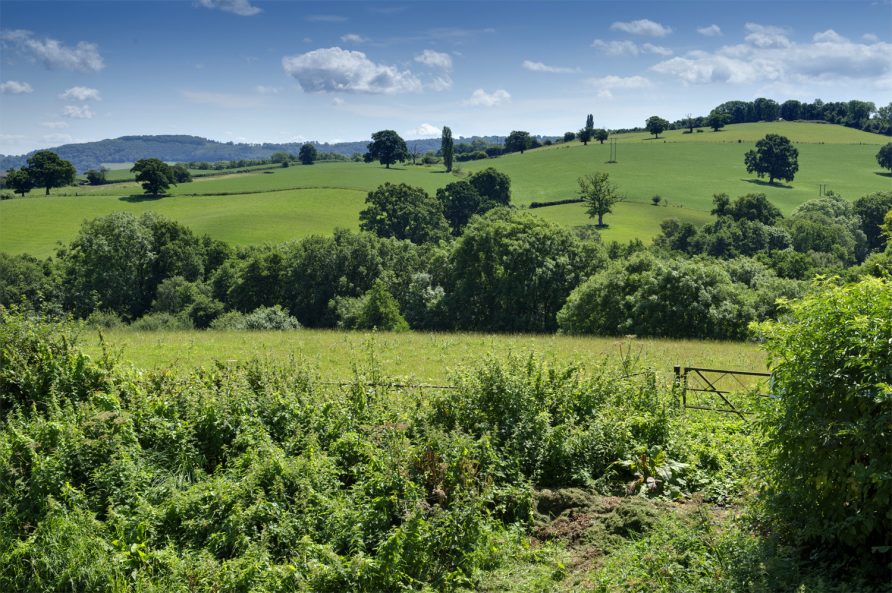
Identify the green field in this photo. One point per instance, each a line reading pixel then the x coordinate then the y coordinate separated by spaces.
pixel 287 203
pixel 417 356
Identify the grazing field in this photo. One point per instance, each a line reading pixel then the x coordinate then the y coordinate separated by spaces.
pixel 274 205
pixel 425 357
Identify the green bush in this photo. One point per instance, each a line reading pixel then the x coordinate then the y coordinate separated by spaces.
pixel 262 318
pixel 161 322
pixel 827 455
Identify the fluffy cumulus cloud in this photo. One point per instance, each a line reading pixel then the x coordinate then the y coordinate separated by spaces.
pixel 481 98
pixel 435 59
pixel 14 87
pixel 239 7
pixel 645 27
pixel 334 69
pixel 78 112
pixel 629 48
pixel 425 131
pixel 540 67
pixel 81 93
pixel 710 31
pixel 769 56
pixel 53 53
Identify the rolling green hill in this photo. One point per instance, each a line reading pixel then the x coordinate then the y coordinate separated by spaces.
pixel 286 203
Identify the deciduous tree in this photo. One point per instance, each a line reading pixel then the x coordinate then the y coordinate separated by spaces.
pixel 387 147
pixel 47 170
pixel 307 154
pixel 599 195
pixel 19 181
pixel 403 212
pixel 656 125
pixel 447 148
pixel 774 156
pixel 517 141
pixel 154 174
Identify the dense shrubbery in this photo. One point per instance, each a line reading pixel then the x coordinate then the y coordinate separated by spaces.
pixel 828 480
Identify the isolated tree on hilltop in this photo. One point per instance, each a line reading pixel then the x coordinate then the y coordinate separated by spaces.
pixel 46 169
pixel 601 135
pixel 307 154
pixel 447 148
pixel 19 181
pixel 517 141
pixel 656 125
pixel 154 174
pixel 387 147
pixel 586 134
pixel 774 156
pixel 717 120
pixel 599 195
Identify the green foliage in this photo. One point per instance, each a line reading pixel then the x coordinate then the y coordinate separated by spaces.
pixel 460 202
pixel 46 169
pixel 717 120
pixel 656 125
pixel 155 175
pixel 387 147
pixel 29 281
pixel 380 310
pixel 648 296
pixel 774 156
pixel 601 135
pixel 884 157
pixel 405 213
pixel 871 209
pixel 97 176
pixel 518 141
pixel 307 154
pixel 447 148
pixel 261 318
pixel 827 455
pixel 19 181
pixel 599 195
pixel 831 225
pixel 492 185
pixel 511 271
pixel 180 173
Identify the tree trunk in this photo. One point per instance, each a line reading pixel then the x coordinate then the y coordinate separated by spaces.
pixel 47 191
pixel 600 219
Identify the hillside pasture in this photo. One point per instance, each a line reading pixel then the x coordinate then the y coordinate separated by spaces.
pixel 279 204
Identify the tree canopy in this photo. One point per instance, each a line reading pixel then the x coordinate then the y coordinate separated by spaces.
pixel 656 125
pixel 403 212
pixel 155 175
pixel 387 147
pixel 517 141
pixel 307 154
pixel 599 195
pixel 47 170
pixel 774 156
pixel 884 157
pixel 447 148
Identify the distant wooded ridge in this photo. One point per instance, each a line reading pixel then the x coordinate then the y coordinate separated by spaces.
pixel 183 148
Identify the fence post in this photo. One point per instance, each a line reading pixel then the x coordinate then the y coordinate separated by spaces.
pixel 679 371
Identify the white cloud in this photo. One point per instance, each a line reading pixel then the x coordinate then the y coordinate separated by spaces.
pixel 239 7
pixel 78 112
pixel 440 83
pixel 339 70
pixel 81 93
pixel 14 87
pixel 870 38
pixel 767 36
pixel 620 82
pixel 435 59
pixel 223 100
pixel 829 57
pixel 483 99
pixel 710 31
pixel 540 67
pixel 266 90
pixel 425 131
pixel 54 125
pixel 642 27
pixel 52 53
pixel 629 48
pixel 650 48
pixel 337 101
pixel 828 36
pixel 353 38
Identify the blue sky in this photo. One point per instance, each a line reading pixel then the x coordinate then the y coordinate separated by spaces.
pixel 259 71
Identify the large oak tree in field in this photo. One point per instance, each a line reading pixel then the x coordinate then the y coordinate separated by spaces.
pixel 387 147
pixel 46 169
pixel 774 156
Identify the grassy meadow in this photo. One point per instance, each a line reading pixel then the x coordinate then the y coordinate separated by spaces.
pixel 275 205
pixel 415 356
